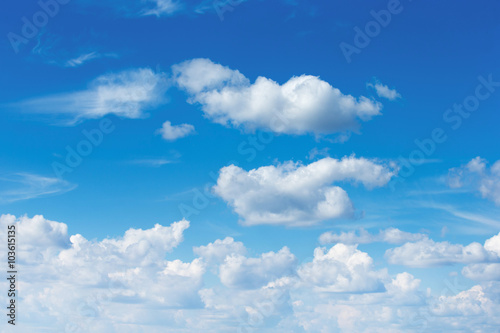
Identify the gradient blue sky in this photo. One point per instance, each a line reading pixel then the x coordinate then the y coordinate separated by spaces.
pixel 431 53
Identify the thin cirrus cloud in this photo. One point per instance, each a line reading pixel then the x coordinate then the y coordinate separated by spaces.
pixel 128 94
pixel 384 91
pixel 293 194
pixel 86 57
pixel 303 104
pixel 94 285
pixel 171 132
pixel 55 50
pixel 24 186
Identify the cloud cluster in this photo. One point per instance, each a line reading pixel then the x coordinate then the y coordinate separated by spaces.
pixel 303 104
pixel 294 194
pixel 478 177
pixel 126 284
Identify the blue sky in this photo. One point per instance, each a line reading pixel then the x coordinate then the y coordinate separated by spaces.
pixel 250 120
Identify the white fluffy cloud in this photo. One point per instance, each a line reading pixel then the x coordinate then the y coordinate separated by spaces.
pixel 303 104
pixel 467 303
pixel 389 235
pixel 384 91
pixel 217 251
pixel 238 271
pixel 427 253
pixel 486 271
pixel 343 268
pixel 64 274
pixel 482 272
pixel 295 194
pixel 126 94
pixel 477 176
pixel 126 284
pixel 173 132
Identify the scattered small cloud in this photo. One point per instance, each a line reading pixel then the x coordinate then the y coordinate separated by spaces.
pixel 173 132
pixel 160 8
pixel 384 91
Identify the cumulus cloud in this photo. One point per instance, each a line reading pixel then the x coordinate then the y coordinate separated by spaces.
pixel 384 91
pixel 60 271
pixel 470 302
pixel 427 253
pixel 264 309
pixel 343 268
pixel 362 236
pixel 24 186
pixel 482 272
pixel 133 283
pixel 238 271
pixel 303 104
pixel 173 132
pixel 127 94
pixel 294 194
pixel 478 177
pixel 217 251
pixel 485 271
